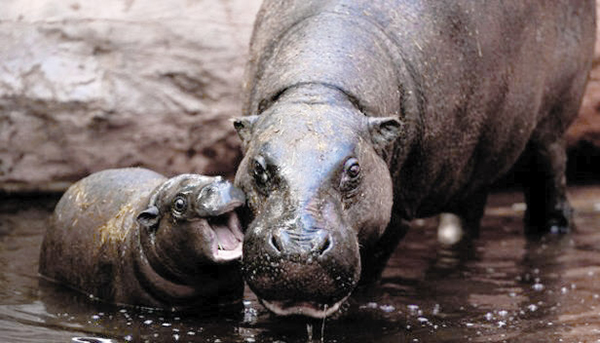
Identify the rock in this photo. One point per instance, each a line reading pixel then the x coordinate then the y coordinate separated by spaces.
pixel 587 126
pixel 583 137
pixel 86 86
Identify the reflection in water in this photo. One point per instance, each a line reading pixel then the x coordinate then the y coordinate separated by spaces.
pixel 91 340
pixel 500 288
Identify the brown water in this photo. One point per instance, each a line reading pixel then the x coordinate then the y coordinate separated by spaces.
pixel 504 289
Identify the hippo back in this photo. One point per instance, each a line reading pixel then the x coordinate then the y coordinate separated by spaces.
pixel 473 81
pixel 85 244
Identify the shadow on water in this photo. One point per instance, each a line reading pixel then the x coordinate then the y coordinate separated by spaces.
pixel 503 288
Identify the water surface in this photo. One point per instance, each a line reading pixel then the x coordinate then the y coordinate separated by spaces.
pixel 504 288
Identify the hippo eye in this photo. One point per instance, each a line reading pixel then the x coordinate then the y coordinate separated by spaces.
pixel 261 175
pixel 179 204
pixel 352 168
pixel 351 175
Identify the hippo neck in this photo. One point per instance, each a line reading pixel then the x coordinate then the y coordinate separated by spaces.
pixel 159 287
pixel 312 93
pixel 348 52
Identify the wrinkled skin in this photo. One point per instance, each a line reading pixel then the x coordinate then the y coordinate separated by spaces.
pixel 132 236
pixel 362 115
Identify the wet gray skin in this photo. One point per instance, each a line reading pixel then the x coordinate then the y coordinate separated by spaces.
pixel 132 236
pixel 363 115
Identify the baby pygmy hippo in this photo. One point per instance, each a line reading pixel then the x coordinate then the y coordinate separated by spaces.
pixel 132 236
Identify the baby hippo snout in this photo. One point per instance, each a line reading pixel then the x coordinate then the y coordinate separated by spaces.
pixel 219 197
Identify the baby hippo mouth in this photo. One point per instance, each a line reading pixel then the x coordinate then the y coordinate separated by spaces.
pixel 227 237
pixel 217 203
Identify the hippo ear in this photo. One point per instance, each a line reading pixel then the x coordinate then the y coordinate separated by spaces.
pixel 244 126
pixel 149 217
pixel 384 131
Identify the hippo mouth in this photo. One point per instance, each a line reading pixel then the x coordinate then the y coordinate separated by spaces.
pixel 227 237
pixel 306 308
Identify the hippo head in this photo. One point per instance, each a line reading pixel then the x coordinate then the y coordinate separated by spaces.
pixel 189 223
pixel 318 191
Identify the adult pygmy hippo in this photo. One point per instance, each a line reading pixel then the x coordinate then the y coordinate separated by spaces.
pixel 365 114
pixel 132 236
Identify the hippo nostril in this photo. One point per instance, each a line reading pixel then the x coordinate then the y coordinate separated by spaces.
pixel 276 243
pixel 322 242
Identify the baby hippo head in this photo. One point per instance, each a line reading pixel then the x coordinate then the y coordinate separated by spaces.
pixel 190 222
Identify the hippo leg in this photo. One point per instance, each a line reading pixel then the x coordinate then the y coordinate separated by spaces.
pixel 465 221
pixel 374 260
pixel 472 211
pixel 548 210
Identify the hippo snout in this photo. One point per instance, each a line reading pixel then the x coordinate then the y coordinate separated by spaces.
pixel 313 241
pixel 301 271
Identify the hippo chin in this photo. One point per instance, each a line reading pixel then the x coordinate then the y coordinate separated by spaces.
pixel 132 236
pixel 362 115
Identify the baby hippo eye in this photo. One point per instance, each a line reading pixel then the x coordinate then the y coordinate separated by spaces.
pixel 179 204
pixel 261 175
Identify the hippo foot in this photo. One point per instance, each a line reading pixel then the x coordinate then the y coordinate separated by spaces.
pixel 557 223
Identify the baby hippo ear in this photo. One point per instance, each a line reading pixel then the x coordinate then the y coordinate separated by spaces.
pixel 244 126
pixel 149 217
pixel 384 131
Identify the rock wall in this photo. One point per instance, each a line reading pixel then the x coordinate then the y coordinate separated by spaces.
pixel 88 85
pixel 587 126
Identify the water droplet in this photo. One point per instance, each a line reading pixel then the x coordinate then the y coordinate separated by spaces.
pixel 538 287
pixel 309 331
pixel 413 309
pixel 387 308
pixel 372 305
